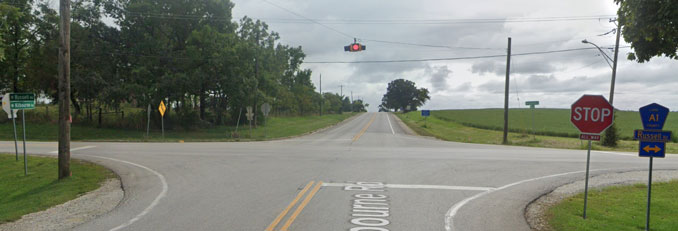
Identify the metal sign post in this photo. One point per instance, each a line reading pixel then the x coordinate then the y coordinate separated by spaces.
pixel 22 101
pixel 11 114
pixel 16 146
pixel 591 114
pixel 250 116
pixel 23 120
pixel 425 114
pixel 265 108
pixel 652 142
pixel 532 105
pixel 148 121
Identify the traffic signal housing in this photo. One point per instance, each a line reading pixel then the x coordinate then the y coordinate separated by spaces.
pixel 355 47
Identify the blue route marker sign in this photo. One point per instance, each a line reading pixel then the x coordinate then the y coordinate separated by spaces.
pixel 425 113
pixel 653 116
pixel 652 149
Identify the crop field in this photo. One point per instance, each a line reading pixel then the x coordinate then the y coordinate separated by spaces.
pixel 549 122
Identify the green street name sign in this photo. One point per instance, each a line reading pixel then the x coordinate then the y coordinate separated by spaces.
pixel 532 103
pixel 21 101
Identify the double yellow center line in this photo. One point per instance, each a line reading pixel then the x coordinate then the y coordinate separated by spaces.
pixel 296 212
pixel 356 137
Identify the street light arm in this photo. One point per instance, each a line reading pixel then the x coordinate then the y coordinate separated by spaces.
pixel 605 56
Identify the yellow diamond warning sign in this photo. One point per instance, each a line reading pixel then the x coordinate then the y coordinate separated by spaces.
pixel 162 108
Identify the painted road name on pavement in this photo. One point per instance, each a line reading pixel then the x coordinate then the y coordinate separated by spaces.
pixel 370 210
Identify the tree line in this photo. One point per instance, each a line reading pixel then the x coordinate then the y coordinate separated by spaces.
pixel 190 54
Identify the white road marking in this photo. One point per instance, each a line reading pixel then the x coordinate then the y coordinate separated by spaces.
pixel 155 202
pixel 75 149
pixel 616 153
pixel 449 226
pixel 389 123
pixel 414 186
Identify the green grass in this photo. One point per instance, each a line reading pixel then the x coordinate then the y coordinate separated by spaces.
pixel 618 208
pixel 551 122
pixel 20 195
pixel 445 129
pixel 276 127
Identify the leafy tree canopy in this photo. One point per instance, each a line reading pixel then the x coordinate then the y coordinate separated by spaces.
pixel 403 95
pixel 651 26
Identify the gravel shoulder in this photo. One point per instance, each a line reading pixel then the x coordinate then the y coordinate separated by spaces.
pixel 534 212
pixel 72 213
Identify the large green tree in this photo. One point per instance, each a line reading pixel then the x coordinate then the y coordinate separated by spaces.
pixel 651 26
pixel 403 95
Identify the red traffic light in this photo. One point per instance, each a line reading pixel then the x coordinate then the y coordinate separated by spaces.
pixel 354 47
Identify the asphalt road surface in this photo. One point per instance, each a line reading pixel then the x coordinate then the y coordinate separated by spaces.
pixel 365 174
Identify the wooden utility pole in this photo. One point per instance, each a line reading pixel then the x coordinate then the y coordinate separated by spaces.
pixel 64 89
pixel 614 65
pixel 506 91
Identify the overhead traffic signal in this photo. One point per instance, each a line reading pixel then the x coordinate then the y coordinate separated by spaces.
pixel 355 47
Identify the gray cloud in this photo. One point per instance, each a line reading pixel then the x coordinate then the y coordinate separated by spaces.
pixel 439 77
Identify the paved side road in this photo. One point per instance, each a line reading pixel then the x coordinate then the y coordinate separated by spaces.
pixel 363 175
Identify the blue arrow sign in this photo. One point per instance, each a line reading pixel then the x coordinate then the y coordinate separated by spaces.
pixel 425 113
pixel 653 116
pixel 652 149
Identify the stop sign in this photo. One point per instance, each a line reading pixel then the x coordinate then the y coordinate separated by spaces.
pixel 592 114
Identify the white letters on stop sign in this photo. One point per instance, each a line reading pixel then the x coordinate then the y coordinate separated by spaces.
pixel 591 114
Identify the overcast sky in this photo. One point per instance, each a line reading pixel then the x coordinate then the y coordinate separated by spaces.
pixel 556 80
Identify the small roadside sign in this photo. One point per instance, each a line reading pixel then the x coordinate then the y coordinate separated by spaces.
pixel 532 104
pixel 591 114
pixel 22 101
pixel 425 113
pixel 162 108
pixel 652 149
pixel 265 108
pixel 249 113
pixel 589 137
pixel 652 136
pixel 652 142
pixel 653 116
pixel 6 107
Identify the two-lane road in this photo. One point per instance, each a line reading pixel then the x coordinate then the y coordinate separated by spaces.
pixel 364 175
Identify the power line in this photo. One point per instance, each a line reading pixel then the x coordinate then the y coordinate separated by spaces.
pixel 450 59
pixel 309 19
pixel 440 21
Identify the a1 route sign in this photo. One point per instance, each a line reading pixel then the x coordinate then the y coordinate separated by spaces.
pixel 592 114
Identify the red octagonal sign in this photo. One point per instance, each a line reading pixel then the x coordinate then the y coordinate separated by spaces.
pixel 592 114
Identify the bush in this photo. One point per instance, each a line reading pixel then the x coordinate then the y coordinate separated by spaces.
pixel 611 137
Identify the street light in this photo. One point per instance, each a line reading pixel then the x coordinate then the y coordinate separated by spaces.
pixel 605 56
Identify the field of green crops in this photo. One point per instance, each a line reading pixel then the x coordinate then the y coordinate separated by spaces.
pixel 550 122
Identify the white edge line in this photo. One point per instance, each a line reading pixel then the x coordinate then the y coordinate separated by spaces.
pixel 155 201
pixel 414 186
pixel 449 226
pixel 615 153
pixel 389 122
pixel 75 149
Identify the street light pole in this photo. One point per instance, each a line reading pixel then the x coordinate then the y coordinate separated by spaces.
pixel 608 59
pixel 614 68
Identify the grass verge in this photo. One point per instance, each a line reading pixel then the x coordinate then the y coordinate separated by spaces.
pixel 452 131
pixel 40 190
pixel 276 127
pixel 618 208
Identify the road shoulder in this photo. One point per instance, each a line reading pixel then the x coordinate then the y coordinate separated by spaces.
pixel 72 213
pixel 536 210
